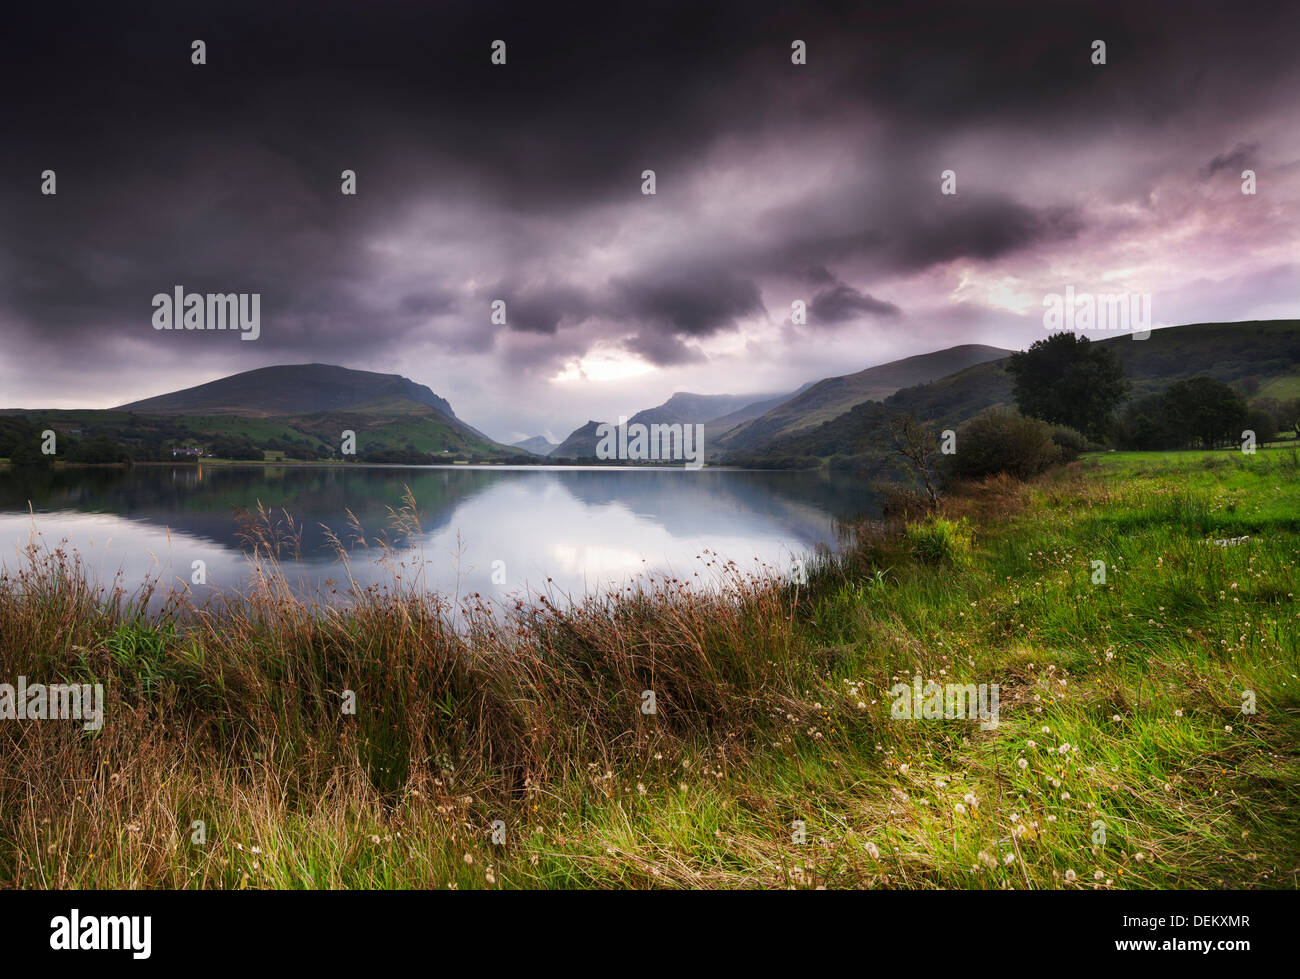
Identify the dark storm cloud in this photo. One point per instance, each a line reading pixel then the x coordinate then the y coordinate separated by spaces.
pixel 918 228
pixel 1234 160
pixel 982 229
pixel 540 309
pixel 843 302
pixel 663 350
pixel 693 300
pixel 429 302
pixel 225 177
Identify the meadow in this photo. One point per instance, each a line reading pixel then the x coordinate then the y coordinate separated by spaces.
pixel 1148 735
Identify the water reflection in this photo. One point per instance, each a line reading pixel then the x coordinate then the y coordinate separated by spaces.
pixel 579 528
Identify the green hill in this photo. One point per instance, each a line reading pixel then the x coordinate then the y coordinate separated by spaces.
pixel 298 410
pixel 830 398
pixel 1257 357
pixel 292 389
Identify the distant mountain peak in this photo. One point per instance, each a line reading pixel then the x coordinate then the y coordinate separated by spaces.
pixel 538 445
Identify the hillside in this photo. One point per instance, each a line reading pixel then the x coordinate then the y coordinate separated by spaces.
pixel 292 389
pixel 581 443
pixel 833 396
pixel 1254 356
pixel 1249 355
pixel 715 428
pixel 298 410
pixel 718 413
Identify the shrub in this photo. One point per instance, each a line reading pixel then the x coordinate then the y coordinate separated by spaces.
pixel 1263 424
pixel 1002 442
pixel 938 540
pixel 1072 442
pixel 899 500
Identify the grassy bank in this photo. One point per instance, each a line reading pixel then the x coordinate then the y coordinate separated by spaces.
pixel 1120 704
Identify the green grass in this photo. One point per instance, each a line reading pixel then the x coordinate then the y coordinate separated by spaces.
pixel 1121 703
pixel 1282 388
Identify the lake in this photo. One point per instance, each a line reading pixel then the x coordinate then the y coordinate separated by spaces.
pixel 495 530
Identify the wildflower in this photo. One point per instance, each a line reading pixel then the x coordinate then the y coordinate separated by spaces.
pixel 1022 764
pixel 1070 876
pixel 959 809
pixel 873 851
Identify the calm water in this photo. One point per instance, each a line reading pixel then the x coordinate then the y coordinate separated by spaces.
pixel 581 528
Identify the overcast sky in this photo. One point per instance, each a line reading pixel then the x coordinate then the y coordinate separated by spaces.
pixel 775 182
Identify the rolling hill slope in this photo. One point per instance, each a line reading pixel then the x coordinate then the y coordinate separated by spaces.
pixel 291 389
pixel 1264 355
pixel 716 412
pixel 288 408
pixel 833 396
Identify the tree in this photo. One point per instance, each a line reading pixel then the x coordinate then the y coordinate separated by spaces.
pixel 1262 423
pixel 1149 425
pixel 1288 415
pixel 26 454
pixel 1068 380
pixel 1207 410
pixel 916 443
pixel 1200 410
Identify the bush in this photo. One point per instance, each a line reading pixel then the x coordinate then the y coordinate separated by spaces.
pixel 25 454
pixel 1002 442
pixel 898 500
pixel 1263 424
pixel 1072 442
pixel 940 541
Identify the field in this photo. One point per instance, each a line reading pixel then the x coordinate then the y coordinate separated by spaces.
pixel 1148 732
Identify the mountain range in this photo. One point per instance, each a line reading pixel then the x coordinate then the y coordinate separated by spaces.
pixel 300 410
pixel 718 413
